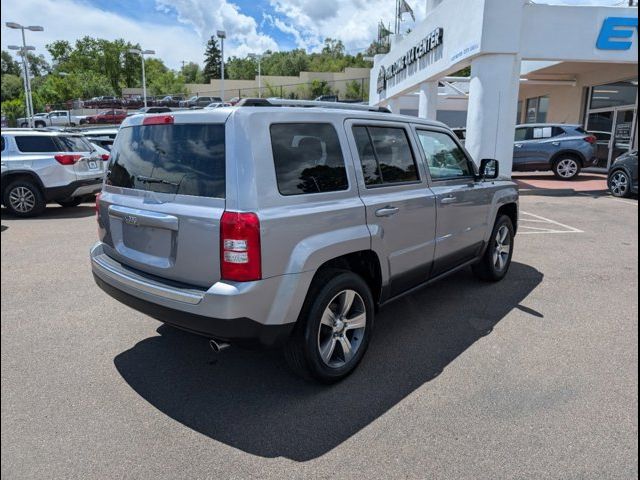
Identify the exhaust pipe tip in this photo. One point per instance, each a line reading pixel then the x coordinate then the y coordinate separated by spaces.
pixel 217 346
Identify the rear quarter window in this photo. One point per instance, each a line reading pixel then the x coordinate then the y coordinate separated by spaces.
pixel 184 159
pixel 307 158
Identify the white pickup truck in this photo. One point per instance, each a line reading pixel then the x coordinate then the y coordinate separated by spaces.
pixel 56 118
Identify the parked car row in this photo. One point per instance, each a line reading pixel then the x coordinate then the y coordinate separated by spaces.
pixel 137 101
pixel 56 118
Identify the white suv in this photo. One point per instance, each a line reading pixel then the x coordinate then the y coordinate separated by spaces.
pixel 40 166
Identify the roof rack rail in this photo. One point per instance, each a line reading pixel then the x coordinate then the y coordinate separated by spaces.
pixel 280 102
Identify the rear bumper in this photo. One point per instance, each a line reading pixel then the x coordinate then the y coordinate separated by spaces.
pixel 73 189
pixel 258 313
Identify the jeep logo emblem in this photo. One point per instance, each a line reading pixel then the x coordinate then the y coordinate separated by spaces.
pixel 131 220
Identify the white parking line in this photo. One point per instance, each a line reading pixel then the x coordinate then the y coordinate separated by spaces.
pixel 608 197
pixel 554 227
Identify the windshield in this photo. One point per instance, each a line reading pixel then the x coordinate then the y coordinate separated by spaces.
pixel 186 159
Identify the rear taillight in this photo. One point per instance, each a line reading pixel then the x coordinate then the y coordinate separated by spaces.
pixel 105 156
pixel 158 120
pixel 67 159
pixel 240 255
pixel 590 139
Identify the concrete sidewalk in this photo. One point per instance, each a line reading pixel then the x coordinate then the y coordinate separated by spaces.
pixel 545 183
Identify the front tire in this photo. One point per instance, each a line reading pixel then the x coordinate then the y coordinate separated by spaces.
pixel 619 184
pixel 566 168
pixel 334 327
pixel 24 199
pixel 496 260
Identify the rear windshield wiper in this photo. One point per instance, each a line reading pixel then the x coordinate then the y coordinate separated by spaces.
pixel 144 179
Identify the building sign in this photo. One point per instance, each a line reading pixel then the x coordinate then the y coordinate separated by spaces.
pixel 415 53
pixel 614 31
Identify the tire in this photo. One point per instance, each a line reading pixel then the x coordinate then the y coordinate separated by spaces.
pixel 619 183
pixel 495 263
pixel 70 202
pixel 24 125
pixel 24 199
pixel 566 168
pixel 39 125
pixel 315 349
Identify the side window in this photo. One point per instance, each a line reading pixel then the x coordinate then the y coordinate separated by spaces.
pixel 3 144
pixel 521 134
pixel 36 144
pixel 385 155
pixel 541 132
pixel 444 158
pixel 308 158
pixel 557 131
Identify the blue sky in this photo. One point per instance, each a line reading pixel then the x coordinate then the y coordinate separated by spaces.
pixel 179 29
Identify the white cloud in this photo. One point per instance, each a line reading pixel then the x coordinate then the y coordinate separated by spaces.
pixel 208 16
pixel 173 43
pixel 353 21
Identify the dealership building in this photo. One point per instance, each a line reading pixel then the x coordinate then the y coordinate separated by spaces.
pixel 530 63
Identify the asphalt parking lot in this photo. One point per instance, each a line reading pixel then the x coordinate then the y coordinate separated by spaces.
pixel 534 377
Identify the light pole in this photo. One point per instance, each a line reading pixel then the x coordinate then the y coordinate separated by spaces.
pixel 259 58
pixel 22 51
pixel 25 63
pixel 222 35
pixel 142 53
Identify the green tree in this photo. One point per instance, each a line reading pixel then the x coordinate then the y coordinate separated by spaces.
pixel 9 65
pixel 320 87
pixel 241 68
pixel 354 90
pixel 192 73
pixel 13 109
pixel 12 87
pixel 212 60
pixel 38 66
pixel 167 83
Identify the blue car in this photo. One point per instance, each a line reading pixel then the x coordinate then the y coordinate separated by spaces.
pixel 563 149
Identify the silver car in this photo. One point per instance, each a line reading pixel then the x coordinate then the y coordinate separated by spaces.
pixel 41 166
pixel 290 227
pixel 563 149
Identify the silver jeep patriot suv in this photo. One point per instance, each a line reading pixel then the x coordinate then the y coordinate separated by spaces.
pixel 290 226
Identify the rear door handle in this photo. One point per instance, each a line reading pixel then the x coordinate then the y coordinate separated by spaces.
pixel 555 143
pixel 518 145
pixel 447 200
pixel 387 211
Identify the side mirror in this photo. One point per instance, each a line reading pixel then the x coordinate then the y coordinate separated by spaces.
pixel 489 169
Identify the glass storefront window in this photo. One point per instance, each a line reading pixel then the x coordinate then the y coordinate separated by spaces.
pixel 614 94
pixel 537 109
pixel 519 113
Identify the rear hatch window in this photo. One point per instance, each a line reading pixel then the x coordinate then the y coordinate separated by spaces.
pixel 184 159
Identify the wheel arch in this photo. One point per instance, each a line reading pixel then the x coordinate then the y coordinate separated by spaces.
pixel 365 263
pixel 13 175
pixel 568 153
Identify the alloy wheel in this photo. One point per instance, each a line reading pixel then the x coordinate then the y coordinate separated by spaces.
pixel 342 328
pixel 502 248
pixel 567 168
pixel 619 184
pixel 22 199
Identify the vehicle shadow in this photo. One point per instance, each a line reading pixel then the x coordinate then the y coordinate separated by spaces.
pixel 54 211
pixel 249 400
